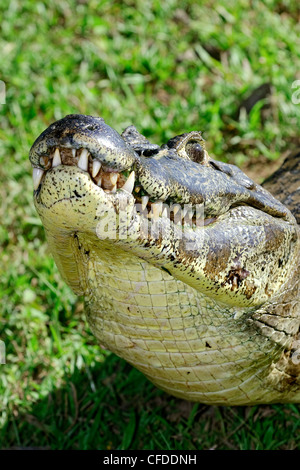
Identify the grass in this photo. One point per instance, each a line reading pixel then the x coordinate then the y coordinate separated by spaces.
pixel 168 68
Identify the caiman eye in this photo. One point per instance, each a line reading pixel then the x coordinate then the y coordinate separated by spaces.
pixel 195 151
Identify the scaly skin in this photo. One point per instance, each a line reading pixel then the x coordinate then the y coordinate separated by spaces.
pixel 209 311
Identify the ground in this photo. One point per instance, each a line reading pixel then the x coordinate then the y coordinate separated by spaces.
pixel 168 68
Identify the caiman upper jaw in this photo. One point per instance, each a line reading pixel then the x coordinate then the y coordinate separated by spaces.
pixel 173 173
pixel 110 180
pixel 77 131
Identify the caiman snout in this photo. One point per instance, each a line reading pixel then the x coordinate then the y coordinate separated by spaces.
pixel 78 131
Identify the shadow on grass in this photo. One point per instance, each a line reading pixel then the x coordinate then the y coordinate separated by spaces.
pixel 113 406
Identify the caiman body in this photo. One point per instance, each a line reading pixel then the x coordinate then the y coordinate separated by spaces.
pixel 189 270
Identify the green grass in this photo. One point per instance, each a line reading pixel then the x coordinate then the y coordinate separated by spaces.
pixel 167 67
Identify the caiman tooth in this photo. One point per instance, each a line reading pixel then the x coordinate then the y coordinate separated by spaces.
pixel 44 161
pixel 113 178
pixel 56 159
pixel 37 174
pixel 114 189
pixel 156 209
pixel 99 182
pixel 73 153
pixel 83 160
pixel 96 168
pixel 190 213
pixel 200 213
pixel 165 213
pixel 185 211
pixel 145 200
pixel 176 209
pixel 129 185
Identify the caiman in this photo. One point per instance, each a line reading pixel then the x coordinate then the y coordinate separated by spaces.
pixel 188 268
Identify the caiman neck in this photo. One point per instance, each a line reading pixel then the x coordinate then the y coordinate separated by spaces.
pixel 147 317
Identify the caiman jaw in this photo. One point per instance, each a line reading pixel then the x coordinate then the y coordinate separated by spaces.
pixel 106 178
pixel 179 174
pixel 85 172
pixel 76 193
pixel 111 180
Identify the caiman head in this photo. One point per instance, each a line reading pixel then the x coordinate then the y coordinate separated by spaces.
pixel 184 261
